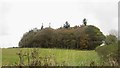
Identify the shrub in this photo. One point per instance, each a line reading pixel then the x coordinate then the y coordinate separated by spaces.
pixel 33 59
pixel 109 54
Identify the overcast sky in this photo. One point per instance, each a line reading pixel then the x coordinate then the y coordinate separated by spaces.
pixel 18 17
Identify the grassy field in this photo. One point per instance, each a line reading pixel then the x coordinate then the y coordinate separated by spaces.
pixel 71 57
pixel 0 57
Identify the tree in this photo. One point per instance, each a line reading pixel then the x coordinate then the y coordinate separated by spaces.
pixel 45 38
pixel 66 25
pixel 83 39
pixel 27 39
pixel 113 32
pixel 85 21
pixel 42 26
pixel 87 37
pixel 110 39
pixel 94 36
pixel 49 25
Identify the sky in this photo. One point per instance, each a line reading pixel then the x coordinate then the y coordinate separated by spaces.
pixel 19 16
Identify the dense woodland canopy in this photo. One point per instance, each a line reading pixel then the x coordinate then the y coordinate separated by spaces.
pixel 77 37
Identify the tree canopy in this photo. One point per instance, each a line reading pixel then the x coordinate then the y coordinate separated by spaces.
pixel 66 25
pixel 110 39
pixel 85 21
pixel 84 37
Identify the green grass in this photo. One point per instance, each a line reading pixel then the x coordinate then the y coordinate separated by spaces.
pixel 0 57
pixel 108 50
pixel 71 57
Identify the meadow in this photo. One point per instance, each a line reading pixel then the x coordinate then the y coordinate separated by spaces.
pixel 67 56
pixel 0 57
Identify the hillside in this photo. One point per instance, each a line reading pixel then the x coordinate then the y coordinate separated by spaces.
pixel 61 56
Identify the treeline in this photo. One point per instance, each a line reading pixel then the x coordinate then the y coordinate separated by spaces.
pixel 77 37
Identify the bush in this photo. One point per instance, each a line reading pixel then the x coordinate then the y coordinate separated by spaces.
pixel 33 59
pixel 110 39
pixel 109 54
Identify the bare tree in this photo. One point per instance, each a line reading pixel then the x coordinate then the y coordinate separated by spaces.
pixel 113 32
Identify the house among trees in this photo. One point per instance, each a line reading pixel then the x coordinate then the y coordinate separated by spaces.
pixel 103 43
pixel 35 30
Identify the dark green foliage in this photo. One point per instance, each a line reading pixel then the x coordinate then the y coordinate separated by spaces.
pixel 118 51
pixel 66 25
pixel 84 37
pixel 94 36
pixel 110 39
pixel 27 39
pixel 109 54
pixel 85 21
